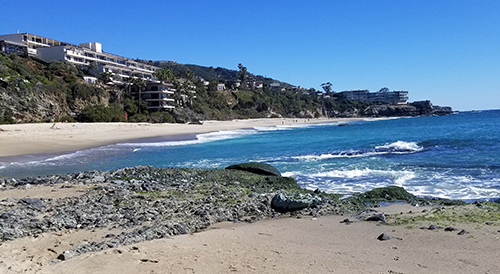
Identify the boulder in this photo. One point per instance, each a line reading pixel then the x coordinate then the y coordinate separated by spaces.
pixel 378 217
pixel 283 203
pixel 383 237
pixel 35 202
pixel 258 168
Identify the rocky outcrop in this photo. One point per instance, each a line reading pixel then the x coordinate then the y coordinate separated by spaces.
pixel 147 203
pixel 420 108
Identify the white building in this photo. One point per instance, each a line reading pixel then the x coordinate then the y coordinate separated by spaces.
pixel 159 95
pixel 386 97
pixel 88 53
pixel 91 54
pixel 32 41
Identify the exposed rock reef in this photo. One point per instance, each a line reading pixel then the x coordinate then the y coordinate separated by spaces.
pixel 421 108
pixel 146 203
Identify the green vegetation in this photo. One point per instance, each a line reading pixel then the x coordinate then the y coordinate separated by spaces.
pixel 478 213
pixel 36 91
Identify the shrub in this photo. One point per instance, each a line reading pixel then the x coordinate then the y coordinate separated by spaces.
pixel 100 113
pixel 67 118
pixel 161 117
pixel 138 118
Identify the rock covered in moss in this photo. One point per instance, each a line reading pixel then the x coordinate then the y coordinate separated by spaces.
pixel 258 168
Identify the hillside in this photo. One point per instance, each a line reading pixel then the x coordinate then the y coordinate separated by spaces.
pixel 35 91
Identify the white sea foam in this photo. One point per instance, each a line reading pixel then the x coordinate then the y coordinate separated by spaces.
pixel 273 128
pixel 399 147
pixel 441 184
pixel 200 138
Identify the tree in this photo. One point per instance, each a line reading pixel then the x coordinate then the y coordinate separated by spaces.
pixel 139 83
pixel 165 75
pixel 242 74
pixel 327 87
pixel 384 89
pixel 105 77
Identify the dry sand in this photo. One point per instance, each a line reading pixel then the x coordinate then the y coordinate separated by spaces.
pixel 288 245
pixel 62 137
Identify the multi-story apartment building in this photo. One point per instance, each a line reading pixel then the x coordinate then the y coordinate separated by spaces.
pixel 386 97
pixel 32 41
pixel 159 95
pixel 120 68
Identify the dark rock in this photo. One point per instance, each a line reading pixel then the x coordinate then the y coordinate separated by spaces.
pixel 35 202
pixel 433 227
pixel 282 203
pixel 376 218
pixel 489 223
pixel 258 168
pixel 462 232
pixel 450 228
pixel 346 221
pixel 66 255
pixel 383 237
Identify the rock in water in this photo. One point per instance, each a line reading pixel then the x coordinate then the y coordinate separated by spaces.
pixel 258 168
pixel 383 237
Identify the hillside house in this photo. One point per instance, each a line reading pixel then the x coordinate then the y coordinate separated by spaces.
pixel 88 55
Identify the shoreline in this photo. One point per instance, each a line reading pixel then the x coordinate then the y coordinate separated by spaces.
pixel 56 138
pixel 146 219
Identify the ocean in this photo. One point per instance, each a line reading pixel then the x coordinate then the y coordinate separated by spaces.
pixel 455 156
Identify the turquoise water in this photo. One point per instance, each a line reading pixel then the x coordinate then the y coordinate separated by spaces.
pixel 455 156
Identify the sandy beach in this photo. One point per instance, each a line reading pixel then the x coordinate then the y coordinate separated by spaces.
pixel 24 139
pixel 286 245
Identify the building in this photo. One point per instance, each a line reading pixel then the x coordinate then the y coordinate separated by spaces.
pixel 221 86
pixel 31 41
pixel 121 68
pixel 158 95
pixel 90 55
pixel 385 97
pixel 13 47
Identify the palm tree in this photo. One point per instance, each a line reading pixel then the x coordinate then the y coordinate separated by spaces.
pixel 139 83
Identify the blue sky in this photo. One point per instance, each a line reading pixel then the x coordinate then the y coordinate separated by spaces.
pixel 445 51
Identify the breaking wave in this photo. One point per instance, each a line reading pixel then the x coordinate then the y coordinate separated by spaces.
pixel 399 147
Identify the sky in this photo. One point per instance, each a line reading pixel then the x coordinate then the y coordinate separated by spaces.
pixel 444 51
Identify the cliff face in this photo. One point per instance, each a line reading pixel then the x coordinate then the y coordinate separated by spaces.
pixel 33 91
pixel 424 108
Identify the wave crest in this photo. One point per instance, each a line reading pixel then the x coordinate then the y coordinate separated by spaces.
pixel 399 147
